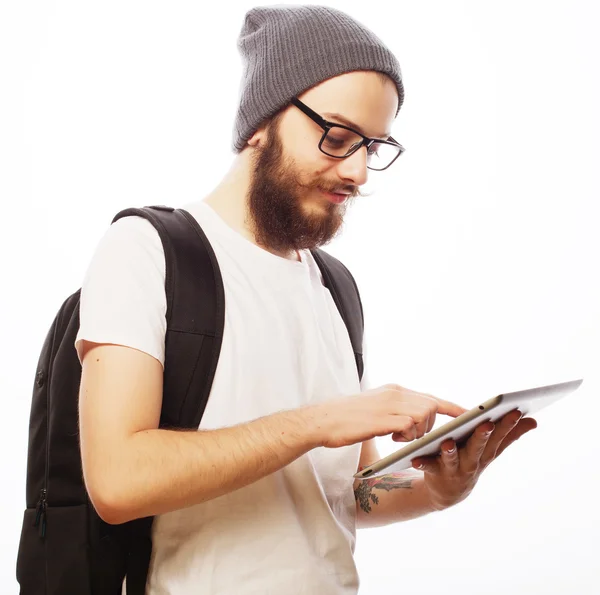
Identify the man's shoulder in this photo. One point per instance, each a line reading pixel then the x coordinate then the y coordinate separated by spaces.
pixel 131 237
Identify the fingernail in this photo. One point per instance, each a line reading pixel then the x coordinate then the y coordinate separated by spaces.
pixel 451 451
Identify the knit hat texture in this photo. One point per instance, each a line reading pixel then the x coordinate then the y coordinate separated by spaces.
pixel 288 49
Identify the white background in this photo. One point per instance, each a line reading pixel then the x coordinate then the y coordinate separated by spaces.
pixel 477 256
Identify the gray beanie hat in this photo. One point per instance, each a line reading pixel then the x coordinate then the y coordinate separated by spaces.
pixel 288 49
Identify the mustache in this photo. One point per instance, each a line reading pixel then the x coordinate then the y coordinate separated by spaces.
pixel 349 191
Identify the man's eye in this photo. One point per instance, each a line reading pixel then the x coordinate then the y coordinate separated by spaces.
pixel 335 142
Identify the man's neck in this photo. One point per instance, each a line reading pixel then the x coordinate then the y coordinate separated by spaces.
pixel 228 200
pixel 228 207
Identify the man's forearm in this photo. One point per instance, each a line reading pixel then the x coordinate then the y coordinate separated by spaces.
pixel 390 499
pixel 158 471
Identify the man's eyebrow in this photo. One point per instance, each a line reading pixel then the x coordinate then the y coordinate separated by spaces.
pixel 351 124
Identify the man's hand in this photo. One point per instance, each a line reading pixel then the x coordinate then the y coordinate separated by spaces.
pixel 389 409
pixel 451 476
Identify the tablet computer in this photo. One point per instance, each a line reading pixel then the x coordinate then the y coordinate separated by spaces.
pixel 462 427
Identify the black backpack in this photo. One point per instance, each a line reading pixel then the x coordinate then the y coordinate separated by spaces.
pixel 65 548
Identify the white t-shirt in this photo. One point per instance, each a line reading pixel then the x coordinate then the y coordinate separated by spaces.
pixel 285 345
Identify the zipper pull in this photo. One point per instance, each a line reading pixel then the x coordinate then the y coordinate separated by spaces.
pixel 41 512
pixel 44 522
pixel 38 513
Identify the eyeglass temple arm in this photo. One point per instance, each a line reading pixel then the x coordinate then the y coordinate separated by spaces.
pixel 324 124
pixel 310 113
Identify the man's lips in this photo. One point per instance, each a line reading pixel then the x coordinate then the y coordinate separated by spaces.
pixel 336 197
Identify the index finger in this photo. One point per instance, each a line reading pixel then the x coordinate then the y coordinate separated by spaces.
pixel 449 408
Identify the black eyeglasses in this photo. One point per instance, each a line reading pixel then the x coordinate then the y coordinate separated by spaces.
pixel 341 141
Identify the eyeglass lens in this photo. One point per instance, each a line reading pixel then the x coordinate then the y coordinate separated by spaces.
pixel 339 142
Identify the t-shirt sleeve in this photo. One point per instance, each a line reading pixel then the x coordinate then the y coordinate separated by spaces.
pixel 123 299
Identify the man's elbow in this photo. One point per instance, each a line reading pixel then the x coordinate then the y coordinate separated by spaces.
pixel 109 507
pixel 107 496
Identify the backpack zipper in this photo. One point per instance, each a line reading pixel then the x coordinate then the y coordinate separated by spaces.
pixel 41 512
pixel 42 502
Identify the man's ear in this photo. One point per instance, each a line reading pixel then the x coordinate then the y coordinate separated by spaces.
pixel 258 137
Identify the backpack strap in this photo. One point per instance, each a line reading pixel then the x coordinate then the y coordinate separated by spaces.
pixel 195 322
pixel 195 314
pixel 344 291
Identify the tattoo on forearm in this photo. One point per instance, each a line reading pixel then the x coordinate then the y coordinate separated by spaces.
pixel 392 481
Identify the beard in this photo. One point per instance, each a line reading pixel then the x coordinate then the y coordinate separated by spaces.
pixel 278 216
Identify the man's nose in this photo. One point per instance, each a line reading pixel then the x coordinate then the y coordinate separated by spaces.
pixel 354 168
